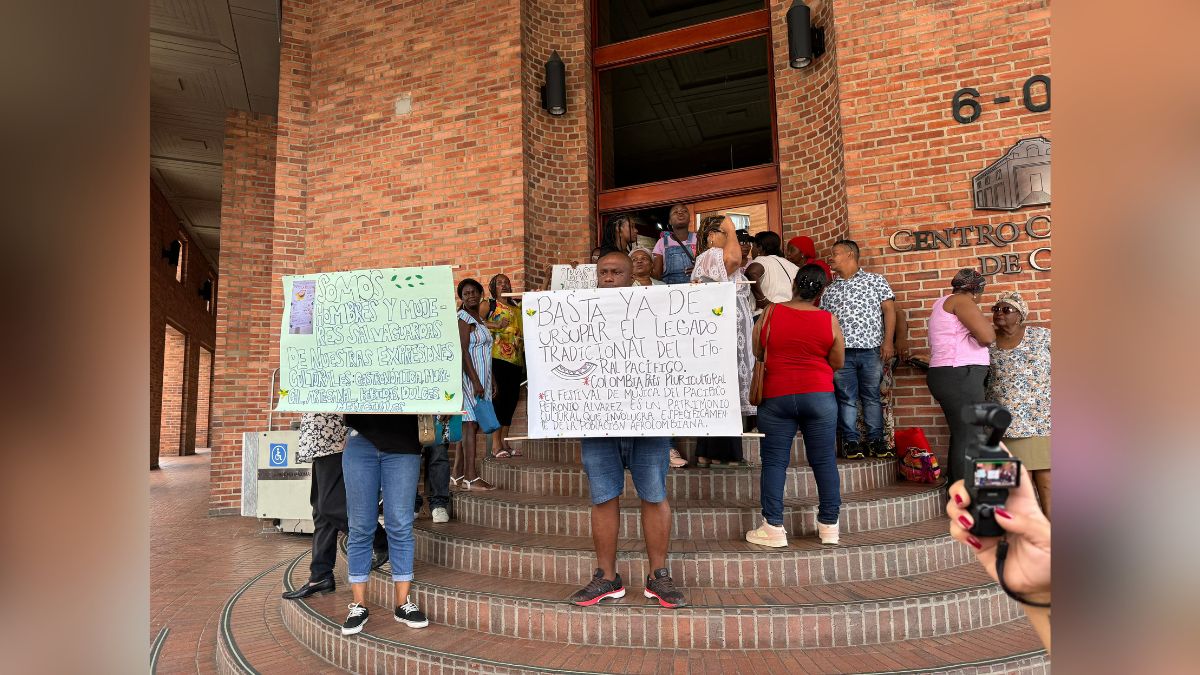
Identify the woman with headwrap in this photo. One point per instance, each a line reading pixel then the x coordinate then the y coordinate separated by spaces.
pixel 801 251
pixel 959 335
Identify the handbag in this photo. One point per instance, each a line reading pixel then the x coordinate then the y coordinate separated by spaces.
pixel 425 430
pixel 760 355
pixel 485 416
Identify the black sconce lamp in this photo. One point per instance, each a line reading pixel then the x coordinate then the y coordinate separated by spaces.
pixel 554 92
pixel 206 290
pixel 805 43
pixel 171 253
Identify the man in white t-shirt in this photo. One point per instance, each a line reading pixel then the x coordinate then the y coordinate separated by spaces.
pixel 773 273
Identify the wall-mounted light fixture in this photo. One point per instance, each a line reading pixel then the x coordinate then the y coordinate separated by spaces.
pixel 554 92
pixel 171 253
pixel 805 43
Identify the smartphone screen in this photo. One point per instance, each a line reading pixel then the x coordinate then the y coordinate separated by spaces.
pixel 997 473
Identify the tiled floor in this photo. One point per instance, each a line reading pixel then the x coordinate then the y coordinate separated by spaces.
pixel 197 562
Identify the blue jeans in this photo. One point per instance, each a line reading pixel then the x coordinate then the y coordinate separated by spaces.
pixel 858 380
pixel 815 415
pixel 648 459
pixel 366 470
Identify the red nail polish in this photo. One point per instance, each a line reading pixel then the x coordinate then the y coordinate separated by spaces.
pixel 974 542
pixel 1002 513
pixel 957 499
pixel 964 522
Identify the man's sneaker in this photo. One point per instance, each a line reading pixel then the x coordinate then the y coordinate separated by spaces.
pixel 768 535
pixel 828 533
pixel 677 461
pixel 598 589
pixel 356 620
pixel 660 587
pixel 410 616
pixel 441 515
pixel 879 448
pixel 851 449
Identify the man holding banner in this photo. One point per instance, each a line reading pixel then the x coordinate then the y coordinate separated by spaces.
pixel 605 461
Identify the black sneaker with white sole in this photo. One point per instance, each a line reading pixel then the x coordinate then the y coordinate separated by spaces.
pixel 410 616
pixel 598 589
pixel 355 620
pixel 661 587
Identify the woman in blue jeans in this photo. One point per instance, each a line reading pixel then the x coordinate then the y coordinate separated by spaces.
pixel 801 347
pixel 383 452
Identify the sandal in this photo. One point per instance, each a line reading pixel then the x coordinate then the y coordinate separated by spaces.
pixel 515 452
pixel 702 462
pixel 470 484
pixel 503 454
pixel 454 482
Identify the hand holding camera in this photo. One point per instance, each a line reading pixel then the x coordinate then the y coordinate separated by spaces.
pixel 995 511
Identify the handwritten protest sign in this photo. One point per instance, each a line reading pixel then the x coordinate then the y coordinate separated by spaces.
pixel 564 277
pixel 641 361
pixel 381 340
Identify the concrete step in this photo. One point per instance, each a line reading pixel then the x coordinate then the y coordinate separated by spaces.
pixel 536 477
pixel 878 554
pixel 720 519
pixel 388 646
pixel 804 617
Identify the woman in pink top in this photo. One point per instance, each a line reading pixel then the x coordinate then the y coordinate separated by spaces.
pixel 959 334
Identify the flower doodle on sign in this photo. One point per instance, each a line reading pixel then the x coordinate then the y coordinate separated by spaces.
pixel 718 311
pixel 282 393
pixel 579 373
pixel 530 312
pixel 448 396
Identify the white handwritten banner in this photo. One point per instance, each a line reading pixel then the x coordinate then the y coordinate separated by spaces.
pixel 640 361
pixel 564 277
pixel 380 340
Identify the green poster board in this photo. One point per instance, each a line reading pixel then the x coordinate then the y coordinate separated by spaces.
pixel 370 341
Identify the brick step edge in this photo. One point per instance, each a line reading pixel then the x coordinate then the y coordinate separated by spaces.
pixel 542 478
pixel 367 653
pixel 485 509
pixel 712 569
pixel 229 657
pixel 567 449
pixel 630 624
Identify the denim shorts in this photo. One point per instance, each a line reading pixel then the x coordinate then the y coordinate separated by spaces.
pixel 648 459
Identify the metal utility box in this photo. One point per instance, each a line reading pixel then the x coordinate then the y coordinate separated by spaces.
pixel 274 484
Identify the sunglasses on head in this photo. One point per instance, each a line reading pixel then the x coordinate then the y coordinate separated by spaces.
pixel 1003 309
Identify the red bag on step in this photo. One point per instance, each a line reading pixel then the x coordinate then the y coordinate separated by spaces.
pixel 914 460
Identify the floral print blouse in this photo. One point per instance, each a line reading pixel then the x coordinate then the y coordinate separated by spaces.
pixel 321 434
pixel 1020 381
pixel 507 343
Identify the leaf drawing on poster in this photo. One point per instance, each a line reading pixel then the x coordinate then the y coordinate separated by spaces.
pixel 566 277
pixel 375 340
pixel 640 361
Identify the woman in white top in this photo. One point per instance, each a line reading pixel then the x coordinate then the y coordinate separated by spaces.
pixel 772 273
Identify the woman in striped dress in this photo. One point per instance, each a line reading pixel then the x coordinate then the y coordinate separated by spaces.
pixel 477 380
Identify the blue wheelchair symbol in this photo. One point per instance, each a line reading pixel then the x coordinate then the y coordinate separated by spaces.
pixel 279 454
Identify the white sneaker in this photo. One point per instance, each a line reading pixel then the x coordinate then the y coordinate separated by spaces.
pixel 828 533
pixel 441 515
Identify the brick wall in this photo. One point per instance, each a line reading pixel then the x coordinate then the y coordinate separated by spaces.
pixel 811 178
pixel 908 163
pixel 173 369
pixel 180 303
pixel 559 152
pixel 204 398
pixel 245 324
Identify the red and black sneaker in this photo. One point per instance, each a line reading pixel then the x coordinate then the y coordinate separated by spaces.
pixel 598 589
pixel 660 587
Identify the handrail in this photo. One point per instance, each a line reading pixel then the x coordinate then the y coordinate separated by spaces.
pixel 271 401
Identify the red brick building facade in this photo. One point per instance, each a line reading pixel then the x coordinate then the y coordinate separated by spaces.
pixel 413 133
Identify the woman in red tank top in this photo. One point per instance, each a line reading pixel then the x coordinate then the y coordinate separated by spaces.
pixel 804 346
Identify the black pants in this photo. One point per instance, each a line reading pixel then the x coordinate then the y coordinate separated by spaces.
pixel 328 498
pixel 955 387
pixel 508 389
pixel 437 476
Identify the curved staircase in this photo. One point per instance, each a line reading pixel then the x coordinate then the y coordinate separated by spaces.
pixel 898 595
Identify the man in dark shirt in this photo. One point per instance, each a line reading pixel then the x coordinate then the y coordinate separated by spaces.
pixel 605 461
